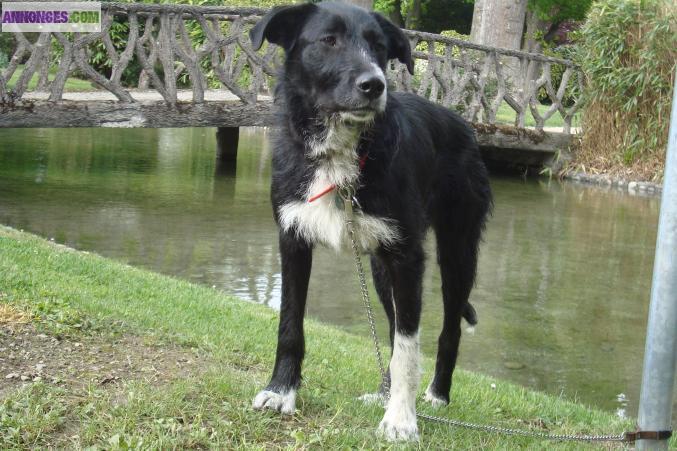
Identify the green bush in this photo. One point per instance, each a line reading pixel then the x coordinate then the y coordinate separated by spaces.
pixel 628 51
pixel 119 33
pixel 7 46
pixel 440 47
pixel 573 92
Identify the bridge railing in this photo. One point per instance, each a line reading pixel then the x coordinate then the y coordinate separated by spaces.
pixel 488 84
pixel 184 53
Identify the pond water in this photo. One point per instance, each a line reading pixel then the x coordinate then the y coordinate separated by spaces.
pixel 564 273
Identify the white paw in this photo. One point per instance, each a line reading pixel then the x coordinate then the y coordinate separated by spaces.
pixel 399 426
pixel 433 399
pixel 281 402
pixel 373 398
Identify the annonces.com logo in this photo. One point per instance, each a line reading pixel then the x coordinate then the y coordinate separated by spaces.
pixel 80 17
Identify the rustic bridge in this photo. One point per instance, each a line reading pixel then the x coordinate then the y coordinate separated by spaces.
pixel 187 66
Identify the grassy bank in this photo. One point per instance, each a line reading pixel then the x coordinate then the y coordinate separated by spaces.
pixel 209 354
pixel 506 115
pixel 72 84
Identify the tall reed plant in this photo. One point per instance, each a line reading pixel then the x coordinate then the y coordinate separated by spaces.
pixel 628 51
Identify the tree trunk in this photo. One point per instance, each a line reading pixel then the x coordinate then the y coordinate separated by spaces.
pixel 414 15
pixel 366 4
pixel 395 15
pixel 533 45
pixel 534 26
pixel 500 23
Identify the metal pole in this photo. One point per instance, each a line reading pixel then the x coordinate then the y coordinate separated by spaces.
pixel 658 376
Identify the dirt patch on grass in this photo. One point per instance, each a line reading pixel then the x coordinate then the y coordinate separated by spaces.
pixel 28 355
pixel 12 316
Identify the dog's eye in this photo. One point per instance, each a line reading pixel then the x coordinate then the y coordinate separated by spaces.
pixel 329 40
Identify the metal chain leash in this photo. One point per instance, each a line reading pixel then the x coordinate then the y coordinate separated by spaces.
pixel 523 432
pixel 386 383
pixel 367 306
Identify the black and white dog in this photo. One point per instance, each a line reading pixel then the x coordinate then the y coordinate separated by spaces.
pixel 411 164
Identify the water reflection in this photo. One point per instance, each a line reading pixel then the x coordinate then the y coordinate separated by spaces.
pixel 562 291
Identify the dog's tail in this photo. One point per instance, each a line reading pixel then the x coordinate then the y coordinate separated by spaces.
pixel 469 314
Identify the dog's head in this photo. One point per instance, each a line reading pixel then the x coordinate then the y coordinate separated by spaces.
pixel 336 55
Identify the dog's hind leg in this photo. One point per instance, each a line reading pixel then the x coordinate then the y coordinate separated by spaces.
pixel 280 394
pixel 457 246
pixel 384 290
pixel 405 268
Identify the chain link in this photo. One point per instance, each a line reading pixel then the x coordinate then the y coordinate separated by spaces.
pixel 464 424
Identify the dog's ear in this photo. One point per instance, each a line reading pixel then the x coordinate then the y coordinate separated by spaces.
pixel 398 44
pixel 281 26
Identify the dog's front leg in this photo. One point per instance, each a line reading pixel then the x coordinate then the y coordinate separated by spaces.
pixel 406 273
pixel 280 394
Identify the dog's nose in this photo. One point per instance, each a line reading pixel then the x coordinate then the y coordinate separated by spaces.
pixel 370 85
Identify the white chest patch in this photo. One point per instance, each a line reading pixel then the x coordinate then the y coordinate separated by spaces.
pixel 323 221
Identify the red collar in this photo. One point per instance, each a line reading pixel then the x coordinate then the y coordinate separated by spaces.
pixel 332 187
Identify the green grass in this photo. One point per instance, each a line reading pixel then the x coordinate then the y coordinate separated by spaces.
pixel 212 410
pixel 72 84
pixel 506 115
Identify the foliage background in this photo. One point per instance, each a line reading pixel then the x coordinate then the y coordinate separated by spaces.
pixel 627 51
pixel 6 49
